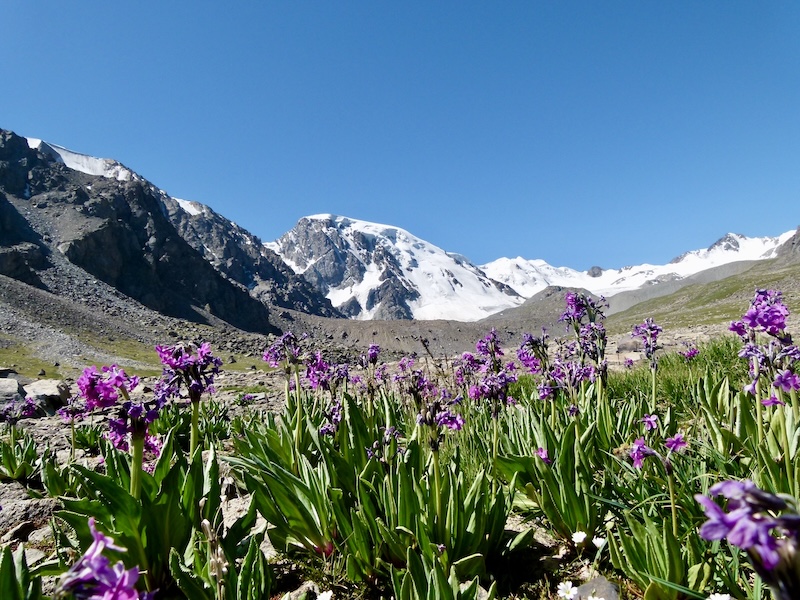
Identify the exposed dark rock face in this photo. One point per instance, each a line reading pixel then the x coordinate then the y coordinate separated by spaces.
pixel 790 250
pixel 595 272
pixel 114 230
pixel 727 242
pixel 331 260
pixel 242 258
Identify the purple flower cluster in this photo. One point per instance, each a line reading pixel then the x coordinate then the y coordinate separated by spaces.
pixel 767 313
pixel 565 375
pixel 648 333
pixel 415 383
pixel 93 577
pixel 333 416
pixel 533 353
pixel 101 389
pixel 640 450
pixel 580 306
pixel 17 409
pixel 189 365
pixel 690 354
pixel 751 518
pixel 492 378
pixel 324 376
pixel 776 357
pixel 437 416
pixel 285 353
pixel 585 314
pixel 73 411
pixel 371 356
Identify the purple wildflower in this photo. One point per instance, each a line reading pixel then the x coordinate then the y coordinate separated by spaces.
pixel 640 451
pixel 542 453
pixel 787 381
pixel 648 332
pixel 772 401
pixel 93 578
pixel 190 365
pixel 333 415
pixel 650 422
pixel 74 411
pixel 690 354
pixel 676 443
pixel 749 523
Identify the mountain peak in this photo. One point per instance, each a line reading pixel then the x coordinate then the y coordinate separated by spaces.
pixel 375 271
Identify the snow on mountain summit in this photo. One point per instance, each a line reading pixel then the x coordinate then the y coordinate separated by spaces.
pixel 529 277
pixel 102 167
pixel 374 271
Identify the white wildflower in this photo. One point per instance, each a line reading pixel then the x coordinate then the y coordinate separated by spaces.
pixel 566 590
pixel 579 537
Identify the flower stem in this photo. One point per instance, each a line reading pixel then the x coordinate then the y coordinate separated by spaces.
pixel 674 509
pixel 653 391
pixel 72 445
pixel 195 434
pixel 137 457
pixel 437 489
pixel 759 413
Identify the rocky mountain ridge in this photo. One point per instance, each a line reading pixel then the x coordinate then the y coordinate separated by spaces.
pixel 55 219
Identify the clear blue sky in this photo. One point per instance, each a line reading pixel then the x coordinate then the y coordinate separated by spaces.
pixel 583 133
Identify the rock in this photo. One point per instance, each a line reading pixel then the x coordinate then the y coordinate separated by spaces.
pixel 599 587
pixel 629 346
pixel 308 591
pixel 42 536
pixel 19 533
pixel 595 271
pixel 34 556
pixel 49 394
pixel 18 507
pixel 10 390
pixel 6 371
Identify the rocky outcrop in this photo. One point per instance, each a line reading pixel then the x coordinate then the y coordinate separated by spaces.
pixel 242 258
pixel 114 230
pixel 790 250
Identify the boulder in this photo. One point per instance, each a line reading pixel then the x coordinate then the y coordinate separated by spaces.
pixel 10 390
pixel 49 394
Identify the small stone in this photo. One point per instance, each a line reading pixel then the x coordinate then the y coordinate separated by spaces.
pixel 599 587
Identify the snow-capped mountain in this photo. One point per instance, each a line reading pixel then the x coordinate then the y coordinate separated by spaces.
pixel 338 265
pixel 529 277
pixel 372 271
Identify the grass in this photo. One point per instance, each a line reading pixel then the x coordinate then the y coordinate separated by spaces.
pixel 712 303
pixel 18 357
